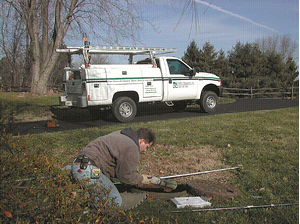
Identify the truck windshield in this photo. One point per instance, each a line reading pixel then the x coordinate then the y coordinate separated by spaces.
pixel 177 67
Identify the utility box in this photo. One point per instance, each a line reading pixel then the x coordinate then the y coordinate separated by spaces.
pixel 196 202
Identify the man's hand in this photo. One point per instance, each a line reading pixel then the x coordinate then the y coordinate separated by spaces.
pixel 164 183
pixel 147 179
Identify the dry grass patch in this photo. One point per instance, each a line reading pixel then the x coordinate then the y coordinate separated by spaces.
pixel 165 160
pixel 29 117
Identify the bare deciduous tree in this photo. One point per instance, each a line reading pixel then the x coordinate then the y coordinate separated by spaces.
pixel 48 21
pixel 12 45
pixel 281 44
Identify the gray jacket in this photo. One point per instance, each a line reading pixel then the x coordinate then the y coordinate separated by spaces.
pixel 117 155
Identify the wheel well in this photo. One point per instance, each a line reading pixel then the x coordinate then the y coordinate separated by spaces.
pixel 131 94
pixel 211 87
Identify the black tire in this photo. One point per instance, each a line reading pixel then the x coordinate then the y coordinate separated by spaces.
pixel 208 101
pixel 98 113
pixel 124 109
pixel 179 105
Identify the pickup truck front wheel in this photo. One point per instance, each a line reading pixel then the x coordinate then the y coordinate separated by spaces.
pixel 124 109
pixel 208 101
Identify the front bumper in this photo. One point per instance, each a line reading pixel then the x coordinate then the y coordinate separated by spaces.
pixel 220 91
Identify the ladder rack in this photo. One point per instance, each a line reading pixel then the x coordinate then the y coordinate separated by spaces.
pixel 117 50
pixel 131 51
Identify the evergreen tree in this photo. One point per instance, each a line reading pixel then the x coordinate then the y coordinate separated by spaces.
pixel 247 64
pixel 280 74
pixel 208 57
pixel 222 69
pixel 292 71
pixel 273 70
pixel 192 56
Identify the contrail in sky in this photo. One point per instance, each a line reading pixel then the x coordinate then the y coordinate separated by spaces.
pixel 233 14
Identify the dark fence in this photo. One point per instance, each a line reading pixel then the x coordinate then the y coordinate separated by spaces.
pixel 290 92
pixel 26 88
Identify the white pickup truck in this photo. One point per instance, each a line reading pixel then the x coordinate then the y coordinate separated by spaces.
pixel 118 88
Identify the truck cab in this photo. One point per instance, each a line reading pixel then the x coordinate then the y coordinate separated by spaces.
pixel 182 83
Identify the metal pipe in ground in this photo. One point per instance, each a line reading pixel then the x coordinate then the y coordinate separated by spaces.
pixel 231 208
pixel 202 172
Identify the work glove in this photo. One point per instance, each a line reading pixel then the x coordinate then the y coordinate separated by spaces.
pixel 147 179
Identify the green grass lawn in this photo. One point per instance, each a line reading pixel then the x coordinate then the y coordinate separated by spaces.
pixel 266 143
pixel 18 107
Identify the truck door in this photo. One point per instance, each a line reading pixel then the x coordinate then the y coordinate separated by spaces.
pixel 73 88
pixel 153 82
pixel 73 81
pixel 180 84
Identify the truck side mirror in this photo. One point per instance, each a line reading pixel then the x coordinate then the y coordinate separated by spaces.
pixel 192 72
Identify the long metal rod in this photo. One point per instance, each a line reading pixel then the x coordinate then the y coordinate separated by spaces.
pixel 202 172
pixel 166 177
pixel 230 208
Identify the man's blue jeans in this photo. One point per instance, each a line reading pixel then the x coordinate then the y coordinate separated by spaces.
pixel 106 188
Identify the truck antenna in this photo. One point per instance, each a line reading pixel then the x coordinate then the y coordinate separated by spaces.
pixel 86 55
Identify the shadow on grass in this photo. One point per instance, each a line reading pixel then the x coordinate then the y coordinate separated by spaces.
pixel 78 118
pixel 82 114
pixel 71 114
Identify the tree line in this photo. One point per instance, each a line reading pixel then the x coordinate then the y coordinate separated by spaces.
pixel 266 63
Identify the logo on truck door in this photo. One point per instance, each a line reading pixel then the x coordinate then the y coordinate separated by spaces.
pixel 177 85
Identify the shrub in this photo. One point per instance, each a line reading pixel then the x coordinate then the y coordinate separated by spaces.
pixel 35 191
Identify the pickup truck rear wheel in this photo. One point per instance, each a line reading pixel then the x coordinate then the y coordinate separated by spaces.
pixel 124 109
pixel 208 101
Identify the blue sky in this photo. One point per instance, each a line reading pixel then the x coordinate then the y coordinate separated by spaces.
pixel 221 22
pixel 224 22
